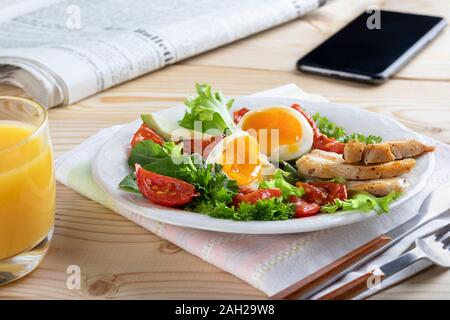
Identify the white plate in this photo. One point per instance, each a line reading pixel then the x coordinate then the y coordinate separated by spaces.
pixel 110 166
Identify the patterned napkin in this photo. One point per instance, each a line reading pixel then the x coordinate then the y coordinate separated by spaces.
pixel 268 262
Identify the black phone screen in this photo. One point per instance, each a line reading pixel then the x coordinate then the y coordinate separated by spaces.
pixel 365 48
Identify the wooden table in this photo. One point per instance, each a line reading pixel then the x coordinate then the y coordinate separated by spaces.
pixel 119 259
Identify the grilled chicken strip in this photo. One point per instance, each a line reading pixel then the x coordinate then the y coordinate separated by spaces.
pixel 353 151
pixel 328 165
pixel 384 152
pixel 378 187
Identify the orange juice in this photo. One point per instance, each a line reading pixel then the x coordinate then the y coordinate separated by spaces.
pixel 27 188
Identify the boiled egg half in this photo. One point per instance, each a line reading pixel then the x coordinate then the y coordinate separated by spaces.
pixel 241 160
pixel 282 132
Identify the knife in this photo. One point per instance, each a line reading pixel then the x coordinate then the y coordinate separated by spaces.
pixel 432 247
pixel 435 204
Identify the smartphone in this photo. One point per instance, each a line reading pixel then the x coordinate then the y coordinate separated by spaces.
pixel 372 47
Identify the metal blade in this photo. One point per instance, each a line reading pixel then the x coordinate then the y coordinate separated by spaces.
pixel 434 205
pixel 400 263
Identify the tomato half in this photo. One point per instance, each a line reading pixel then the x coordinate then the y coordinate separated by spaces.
pixel 302 208
pixel 238 114
pixel 321 141
pixel 145 133
pixel 313 194
pixel 334 190
pixel 252 197
pixel 163 190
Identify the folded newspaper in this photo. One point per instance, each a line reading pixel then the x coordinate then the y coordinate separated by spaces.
pixel 60 52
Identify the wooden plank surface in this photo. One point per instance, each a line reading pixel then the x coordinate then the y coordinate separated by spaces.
pixel 121 260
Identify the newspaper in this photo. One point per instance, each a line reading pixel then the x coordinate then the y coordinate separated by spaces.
pixel 63 51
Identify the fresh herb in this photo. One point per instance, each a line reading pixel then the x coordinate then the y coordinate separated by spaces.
pixel 278 181
pixel 163 159
pixel 263 210
pixel 147 151
pixel 364 139
pixel 129 184
pixel 215 188
pixel 362 201
pixel 331 130
pixel 290 172
pixel 167 160
pixel 163 166
pixel 211 109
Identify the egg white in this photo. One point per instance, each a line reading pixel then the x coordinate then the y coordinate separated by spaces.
pixel 287 151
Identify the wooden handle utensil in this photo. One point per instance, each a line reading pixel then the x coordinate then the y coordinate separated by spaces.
pixel 301 288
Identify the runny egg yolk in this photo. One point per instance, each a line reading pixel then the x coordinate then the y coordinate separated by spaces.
pixel 240 160
pixel 273 127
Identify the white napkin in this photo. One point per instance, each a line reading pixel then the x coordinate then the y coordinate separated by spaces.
pixel 268 262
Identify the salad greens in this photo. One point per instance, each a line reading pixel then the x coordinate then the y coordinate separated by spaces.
pixel 216 191
pixel 331 130
pixel 290 172
pixel 362 201
pixel 264 210
pixel 215 188
pixel 210 108
pixel 278 181
pixel 147 151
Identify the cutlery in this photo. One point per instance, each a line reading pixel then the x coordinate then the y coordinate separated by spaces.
pixel 434 205
pixel 434 248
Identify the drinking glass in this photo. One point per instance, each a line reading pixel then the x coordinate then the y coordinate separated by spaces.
pixel 27 187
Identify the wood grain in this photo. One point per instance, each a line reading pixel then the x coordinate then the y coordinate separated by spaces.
pixel 120 260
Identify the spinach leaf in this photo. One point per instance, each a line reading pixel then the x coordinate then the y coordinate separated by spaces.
pixel 147 151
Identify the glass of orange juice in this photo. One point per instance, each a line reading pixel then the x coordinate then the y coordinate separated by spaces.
pixel 27 187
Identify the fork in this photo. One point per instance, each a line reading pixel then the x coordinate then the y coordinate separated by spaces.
pixel 434 248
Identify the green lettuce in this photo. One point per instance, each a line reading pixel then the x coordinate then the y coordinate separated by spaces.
pixel 278 181
pixel 211 109
pixel 362 201
pixel 331 130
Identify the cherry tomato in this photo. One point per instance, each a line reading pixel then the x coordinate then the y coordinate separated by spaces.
pixel 244 190
pixel 310 120
pixel 202 147
pixel 313 194
pixel 252 197
pixel 163 190
pixel 334 190
pixel 304 209
pixel 145 133
pixel 321 141
pixel 238 114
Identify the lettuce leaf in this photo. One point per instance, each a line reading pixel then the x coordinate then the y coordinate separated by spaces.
pixel 331 130
pixel 211 109
pixel 362 201
pixel 278 181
